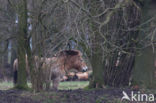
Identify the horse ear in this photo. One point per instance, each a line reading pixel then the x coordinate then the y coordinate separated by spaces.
pixel 80 53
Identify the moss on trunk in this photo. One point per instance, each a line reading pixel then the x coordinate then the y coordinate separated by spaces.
pixel 97 80
pixel 21 47
pixel 143 74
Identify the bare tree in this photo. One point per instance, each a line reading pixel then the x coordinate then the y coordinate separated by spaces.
pixel 145 67
pixel 7 35
pixel 22 43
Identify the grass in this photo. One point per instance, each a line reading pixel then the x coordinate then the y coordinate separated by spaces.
pixel 6 85
pixel 73 85
pixel 62 86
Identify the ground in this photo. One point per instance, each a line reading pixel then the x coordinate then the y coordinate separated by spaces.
pixel 71 95
pixel 62 96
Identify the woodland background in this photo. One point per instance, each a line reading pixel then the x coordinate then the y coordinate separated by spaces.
pixel 117 37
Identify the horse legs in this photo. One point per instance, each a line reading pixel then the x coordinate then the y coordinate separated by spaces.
pixel 56 83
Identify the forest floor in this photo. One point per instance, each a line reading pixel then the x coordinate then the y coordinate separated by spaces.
pixel 74 95
pixel 62 96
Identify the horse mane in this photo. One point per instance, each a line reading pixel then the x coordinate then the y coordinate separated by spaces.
pixel 69 53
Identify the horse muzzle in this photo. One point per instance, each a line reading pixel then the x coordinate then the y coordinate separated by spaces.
pixel 84 69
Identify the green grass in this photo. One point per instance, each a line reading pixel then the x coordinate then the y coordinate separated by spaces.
pixel 73 85
pixel 62 86
pixel 6 85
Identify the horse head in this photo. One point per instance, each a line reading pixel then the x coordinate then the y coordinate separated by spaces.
pixel 74 60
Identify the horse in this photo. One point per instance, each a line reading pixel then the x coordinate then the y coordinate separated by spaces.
pixel 56 67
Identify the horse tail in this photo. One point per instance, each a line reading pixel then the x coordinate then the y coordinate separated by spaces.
pixel 15 77
pixel 15 71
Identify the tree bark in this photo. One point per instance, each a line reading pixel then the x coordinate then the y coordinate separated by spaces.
pixel 113 53
pixel 143 73
pixel 21 44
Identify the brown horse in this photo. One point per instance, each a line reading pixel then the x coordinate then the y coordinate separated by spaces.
pixel 55 68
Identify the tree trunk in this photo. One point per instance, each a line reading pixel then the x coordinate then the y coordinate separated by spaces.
pixel 143 74
pixel 21 45
pixel 113 52
pixel 97 80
